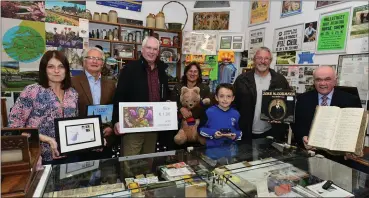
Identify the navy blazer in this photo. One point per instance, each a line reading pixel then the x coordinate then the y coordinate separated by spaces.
pixel 305 109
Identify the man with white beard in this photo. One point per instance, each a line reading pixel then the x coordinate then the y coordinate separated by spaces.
pixel 249 87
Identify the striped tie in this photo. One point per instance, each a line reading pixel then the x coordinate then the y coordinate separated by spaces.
pixel 324 101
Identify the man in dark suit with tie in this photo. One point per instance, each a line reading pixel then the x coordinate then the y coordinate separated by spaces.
pixel 325 94
pixel 277 111
pixel 94 89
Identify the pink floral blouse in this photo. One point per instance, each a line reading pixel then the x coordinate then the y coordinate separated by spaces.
pixel 37 107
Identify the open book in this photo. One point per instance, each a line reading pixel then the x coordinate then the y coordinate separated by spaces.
pixel 339 129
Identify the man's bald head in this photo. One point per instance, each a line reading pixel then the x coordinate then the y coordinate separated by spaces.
pixel 325 79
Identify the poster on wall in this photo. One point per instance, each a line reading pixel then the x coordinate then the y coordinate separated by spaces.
pixel 259 12
pixel 127 5
pixel 286 58
pixel 256 40
pixel 290 8
pixel 333 31
pixel 12 79
pixel 310 34
pixel 299 77
pixel 353 72
pixel 24 10
pixel 322 4
pixel 305 57
pixel 359 23
pixel 23 41
pixel 65 36
pixel 65 12
pixel 199 43
pixel 288 38
pixel 210 20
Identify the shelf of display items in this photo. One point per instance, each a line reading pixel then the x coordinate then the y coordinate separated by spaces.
pixel 170 46
pixel 135 26
pixel 112 41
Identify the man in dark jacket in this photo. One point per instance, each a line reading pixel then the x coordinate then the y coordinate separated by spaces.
pixel 249 87
pixel 324 94
pixel 144 80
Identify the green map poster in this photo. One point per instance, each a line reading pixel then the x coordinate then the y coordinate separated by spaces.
pixel 333 32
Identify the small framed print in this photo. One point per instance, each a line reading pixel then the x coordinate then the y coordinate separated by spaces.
pixel 165 41
pixel 225 42
pixel 237 45
pixel 78 134
pixel 237 38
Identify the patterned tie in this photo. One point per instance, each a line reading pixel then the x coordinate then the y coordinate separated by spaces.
pixel 324 101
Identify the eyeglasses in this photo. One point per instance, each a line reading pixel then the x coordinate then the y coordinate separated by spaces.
pixel 92 58
pixel 261 58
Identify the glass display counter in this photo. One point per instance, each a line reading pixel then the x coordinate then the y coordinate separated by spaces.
pixel 230 171
pixel 298 177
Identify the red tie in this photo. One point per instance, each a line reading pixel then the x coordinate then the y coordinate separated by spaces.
pixel 324 101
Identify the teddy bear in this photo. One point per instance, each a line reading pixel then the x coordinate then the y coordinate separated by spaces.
pixel 190 99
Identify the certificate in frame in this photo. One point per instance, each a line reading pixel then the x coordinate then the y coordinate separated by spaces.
pixel 78 134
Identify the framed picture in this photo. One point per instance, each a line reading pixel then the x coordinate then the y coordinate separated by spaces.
pixel 259 12
pixel 322 4
pixel 123 50
pixel 256 40
pixel 333 31
pixel 225 42
pixel 72 169
pixel 165 41
pixel 353 71
pixel 292 42
pixel 290 8
pixel 211 20
pixel 147 116
pixel 77 134
pixel 237 45
pixel 237 38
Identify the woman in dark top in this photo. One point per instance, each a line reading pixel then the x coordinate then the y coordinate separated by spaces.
pixel 192 78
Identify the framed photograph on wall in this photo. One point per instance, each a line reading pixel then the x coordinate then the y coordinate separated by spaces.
pixel 77 134
pixel 259 12
pixel 352 71
pixel 333 31
pixel 225 42
pixel 322 4
pixel 290 8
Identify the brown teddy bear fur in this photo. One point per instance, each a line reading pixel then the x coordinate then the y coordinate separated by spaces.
pixel 190 98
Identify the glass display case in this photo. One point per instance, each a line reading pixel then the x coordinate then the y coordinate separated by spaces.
pixel 237 170
pixel 299 177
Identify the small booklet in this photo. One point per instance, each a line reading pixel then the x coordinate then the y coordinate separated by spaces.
pixel 337 129
pixel 278 106
pixel 105 111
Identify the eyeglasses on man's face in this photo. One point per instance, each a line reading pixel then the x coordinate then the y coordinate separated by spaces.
pixel 92 58
pixel 263 59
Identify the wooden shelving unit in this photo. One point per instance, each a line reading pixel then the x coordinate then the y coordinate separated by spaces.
pixel 151 32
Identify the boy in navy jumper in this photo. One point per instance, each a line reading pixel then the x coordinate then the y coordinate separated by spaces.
pixel 220 125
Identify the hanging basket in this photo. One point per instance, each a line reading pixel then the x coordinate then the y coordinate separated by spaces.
pixel 176 26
